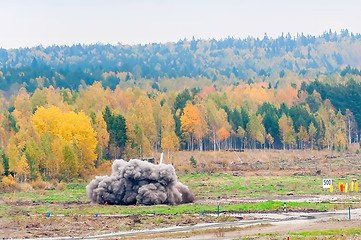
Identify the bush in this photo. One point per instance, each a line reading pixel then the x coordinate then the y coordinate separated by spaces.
pixel 357 151
pixel 24 187
pixel 183 169
pixel 105 168
pixel 40 184
pixel 60 187
pixel 193 161
pixel 8 184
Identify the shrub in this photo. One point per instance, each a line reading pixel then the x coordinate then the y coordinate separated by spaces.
pixel 183 169
pixel 40 184
pixel 24 187
pixel 193 161
pixel 8 184
pixel 357 151
pixel 60 187
pixel 105 168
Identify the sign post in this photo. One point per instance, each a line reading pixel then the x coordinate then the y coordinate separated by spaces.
pixel 327 183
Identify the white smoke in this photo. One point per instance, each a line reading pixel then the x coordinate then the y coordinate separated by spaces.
pixel 139 182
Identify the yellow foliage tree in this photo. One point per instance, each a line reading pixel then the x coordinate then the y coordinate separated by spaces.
pixel 54 97
pixel 216 120
pixel 312 133
pixel 302 136
pixel 340 140
pixel 70 162
pixel 167 128
pixel 102 133
pixel 143 115
pixel 255 130
pixel 93 98
pixel 56 162
pixel 39 98
pixel 170 142
pixel 166 119
pixel 70 128
pixel 23 109
pixel 287 131
pixel 259 93
pixel 8 184
pixel 14 155
pixel 2 170
pixel 270 140
pixel 23 170
pixel 5 131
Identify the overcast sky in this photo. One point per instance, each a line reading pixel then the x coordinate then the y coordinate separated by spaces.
pixel 47 22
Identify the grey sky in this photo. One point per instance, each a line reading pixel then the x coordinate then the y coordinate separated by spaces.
pixel 47 22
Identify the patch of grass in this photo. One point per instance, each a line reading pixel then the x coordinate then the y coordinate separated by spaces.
pixel 202 185
pixel 217 185
pixel 160 210
pixel 72 200
pixel 347 231
pixel 220 185
pixel 198 208
pixel 269 235
pixel 72 192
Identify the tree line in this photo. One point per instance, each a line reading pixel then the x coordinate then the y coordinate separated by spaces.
pixel 280 61
pixel 59 133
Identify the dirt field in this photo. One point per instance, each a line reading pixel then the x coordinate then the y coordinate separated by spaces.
pixel 25 225
pixel 278 231
pixel 27 219
pixel 273 162
pixel 265 226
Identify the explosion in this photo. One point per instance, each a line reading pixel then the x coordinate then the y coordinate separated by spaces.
pixel 139 182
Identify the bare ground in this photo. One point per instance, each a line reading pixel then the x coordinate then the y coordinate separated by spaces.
pixel 280 223
pixel 246 164
pixel 122 226
pixel 256 232
pixel 20 224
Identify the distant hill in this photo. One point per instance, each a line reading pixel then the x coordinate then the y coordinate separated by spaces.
pixel 66 110
pixel 222 62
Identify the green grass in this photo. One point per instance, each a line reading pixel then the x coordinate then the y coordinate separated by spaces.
pixel 269 235
pixel 347 231
pixel 72 192
pixel 69 195
pixel 203 185
pixel 90 209
pixel 218 185
pixel 70 200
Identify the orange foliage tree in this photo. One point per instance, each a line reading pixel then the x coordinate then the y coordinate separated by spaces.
pixel 193 125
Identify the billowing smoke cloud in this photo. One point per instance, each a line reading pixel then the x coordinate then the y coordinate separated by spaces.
pixel 139 182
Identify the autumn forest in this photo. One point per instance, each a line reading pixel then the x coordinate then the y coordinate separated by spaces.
pixel 66 110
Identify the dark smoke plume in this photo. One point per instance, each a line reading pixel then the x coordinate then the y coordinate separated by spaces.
pixel 139 182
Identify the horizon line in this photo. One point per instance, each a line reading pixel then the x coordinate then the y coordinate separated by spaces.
pixel 295 36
